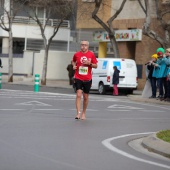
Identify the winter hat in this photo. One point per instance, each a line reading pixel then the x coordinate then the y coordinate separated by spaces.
pixel 155 56
pixel 160 54
pixel 160 50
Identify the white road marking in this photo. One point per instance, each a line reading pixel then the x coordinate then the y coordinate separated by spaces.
pixel 92 110
pixel 47 109
pixel 34 103
pixel 12 109
pixel 118 110
pixel 165 107
pixel 152 111
pixel 107 144
pixel 122 107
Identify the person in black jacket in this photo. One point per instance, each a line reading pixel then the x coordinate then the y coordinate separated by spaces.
pixel 115 80
pixel 0 63
pixel 150 66
pixel 70 73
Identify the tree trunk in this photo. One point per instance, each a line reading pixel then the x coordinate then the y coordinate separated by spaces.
pixel 44 71
pixel 115 47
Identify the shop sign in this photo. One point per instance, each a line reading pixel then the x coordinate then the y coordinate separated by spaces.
pixel 120 35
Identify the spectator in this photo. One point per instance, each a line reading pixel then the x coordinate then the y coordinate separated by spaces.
pixel 70 73
pixel 161 73
pixel 115 80
pixel 167 74
pixel 0 63
pixel 150 66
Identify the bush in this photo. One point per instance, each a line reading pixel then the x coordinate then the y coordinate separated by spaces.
pixel 164 135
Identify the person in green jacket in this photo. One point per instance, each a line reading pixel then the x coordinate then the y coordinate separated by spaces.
pixel 161 73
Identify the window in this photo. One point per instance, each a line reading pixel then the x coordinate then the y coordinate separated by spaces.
pixel 18 46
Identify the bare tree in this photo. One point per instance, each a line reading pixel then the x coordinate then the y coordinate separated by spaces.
pixel 109 25
pixel 163 17
pixel 61 9
pixel 10 9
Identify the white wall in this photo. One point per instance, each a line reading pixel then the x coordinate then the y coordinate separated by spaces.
pixel 56 69
pixel 20 65
pixel 57 63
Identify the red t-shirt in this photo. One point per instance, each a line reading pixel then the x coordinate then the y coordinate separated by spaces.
pixel 84 72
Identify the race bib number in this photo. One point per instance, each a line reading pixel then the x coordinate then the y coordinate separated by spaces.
pixel 83 70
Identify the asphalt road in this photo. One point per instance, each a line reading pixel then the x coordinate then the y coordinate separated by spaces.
pixel 38 131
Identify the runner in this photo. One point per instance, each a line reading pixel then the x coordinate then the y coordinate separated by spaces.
pixel 83 62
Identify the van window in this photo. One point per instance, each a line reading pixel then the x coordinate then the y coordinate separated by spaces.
pixel 118 64
pixel 104 64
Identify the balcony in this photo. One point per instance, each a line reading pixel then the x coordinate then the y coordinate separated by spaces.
pixel 30 21
pixel 26 28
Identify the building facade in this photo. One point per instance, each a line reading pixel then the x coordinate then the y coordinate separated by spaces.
pixel 26 32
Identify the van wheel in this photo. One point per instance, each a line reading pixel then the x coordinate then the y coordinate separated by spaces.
pixel 101 89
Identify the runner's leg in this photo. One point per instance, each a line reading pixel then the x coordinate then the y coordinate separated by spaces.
pixel 85 103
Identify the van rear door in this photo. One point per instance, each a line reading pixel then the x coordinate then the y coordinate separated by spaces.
pixel 128 76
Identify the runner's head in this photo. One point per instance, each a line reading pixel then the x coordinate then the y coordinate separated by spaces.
pixel 84 46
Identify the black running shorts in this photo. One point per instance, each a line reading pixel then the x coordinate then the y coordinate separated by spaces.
pixel 83 85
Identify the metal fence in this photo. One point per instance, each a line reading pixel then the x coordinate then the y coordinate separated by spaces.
pixel 51 22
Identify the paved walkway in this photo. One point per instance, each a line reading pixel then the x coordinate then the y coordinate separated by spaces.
pixel 151 142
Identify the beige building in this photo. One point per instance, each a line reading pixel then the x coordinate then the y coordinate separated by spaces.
pixel 131 17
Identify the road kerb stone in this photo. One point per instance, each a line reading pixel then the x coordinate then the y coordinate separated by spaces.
pixel 154 144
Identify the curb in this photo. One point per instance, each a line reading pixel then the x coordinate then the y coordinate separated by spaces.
pixel 156 145
pixel 138 98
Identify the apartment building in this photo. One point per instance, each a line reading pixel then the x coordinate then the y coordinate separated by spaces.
pixel 28 45
pixel 26 32
pixel 131 18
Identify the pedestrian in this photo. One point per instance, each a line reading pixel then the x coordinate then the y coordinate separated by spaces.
pixel 167 73
pixel 115 80
pixel 161 73
pixel 1 63
pixel 70 73
pixel 150 66
pixel 83 62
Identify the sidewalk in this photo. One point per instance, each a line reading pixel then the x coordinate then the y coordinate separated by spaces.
pixel 152 143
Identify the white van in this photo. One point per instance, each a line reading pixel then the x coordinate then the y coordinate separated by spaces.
pixel 102 76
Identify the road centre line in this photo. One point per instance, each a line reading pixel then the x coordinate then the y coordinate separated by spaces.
pixel 107 144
